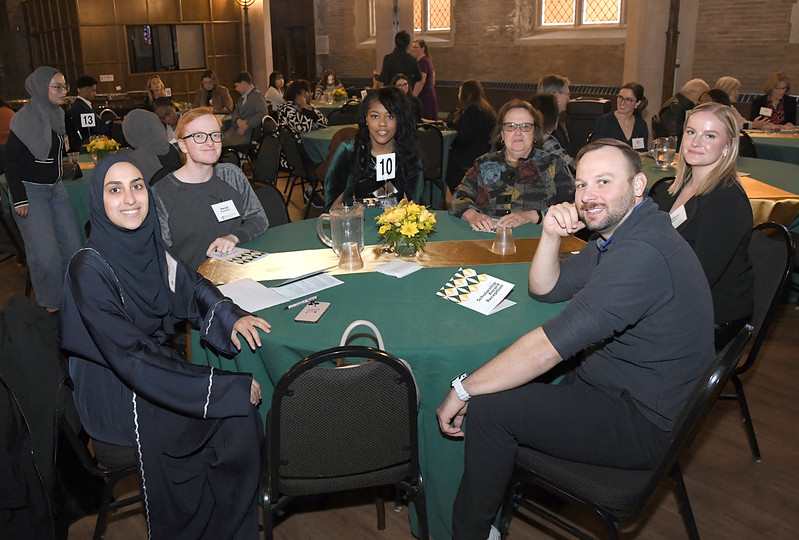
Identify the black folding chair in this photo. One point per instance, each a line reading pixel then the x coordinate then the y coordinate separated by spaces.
pixel 274 204
pixel 620 495
pixel 267 164
pixel 341 428
pixel 302 170
pixel 430 143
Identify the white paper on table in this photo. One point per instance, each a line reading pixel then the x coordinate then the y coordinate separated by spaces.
pixel 252 296
pixel 742 174
pixel 398 268
pixel 307 286
pixel 481 292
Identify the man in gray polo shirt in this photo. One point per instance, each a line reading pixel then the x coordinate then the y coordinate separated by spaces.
pixel 640 310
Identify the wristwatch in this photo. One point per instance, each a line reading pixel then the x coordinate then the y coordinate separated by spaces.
pixel 463 395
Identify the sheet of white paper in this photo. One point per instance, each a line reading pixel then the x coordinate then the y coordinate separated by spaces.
pixel 504 304
pixel 308 286
pixel 251 295
pixel 398 268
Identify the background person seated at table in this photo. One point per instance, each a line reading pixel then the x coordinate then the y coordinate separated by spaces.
pixel 79 135
pixel 190 200
pixel 710 209
pixel 776 98
pixel 474 120
pixel 299 116
pixel 213 95
pixel 638 319
pixel 547 105
pixel 401 81
pixel 274 94
pixel 327 83
pixel 732 87
pixel 626 124
pixel 151 151
pixel 166 111
pixel 249 112
pixel 385 125
pixel 517 183
pixel 669 121
pixel 195 428
pixel 153 90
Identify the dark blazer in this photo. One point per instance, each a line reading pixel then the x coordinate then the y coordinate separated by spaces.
pixel 474 126
pixel 788 104
pixel 607 126
pixel 79 135
pixel 399 61
pixel 671 118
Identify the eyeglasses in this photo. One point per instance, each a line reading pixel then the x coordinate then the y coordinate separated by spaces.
pixel 564 93
pixel 780 88
pixel 201 137
pixel 510 127
pixel 401 85
pixel 626 99
pixel 60 87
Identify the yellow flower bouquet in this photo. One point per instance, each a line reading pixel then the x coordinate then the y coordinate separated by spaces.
pixel 406 227
pixel 339 94
pixel 101 147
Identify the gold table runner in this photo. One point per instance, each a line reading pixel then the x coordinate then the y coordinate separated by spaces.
pixel 770 203
pixel 290 264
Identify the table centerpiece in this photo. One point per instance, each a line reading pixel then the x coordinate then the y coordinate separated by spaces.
pixel 406 227
pixel 101 147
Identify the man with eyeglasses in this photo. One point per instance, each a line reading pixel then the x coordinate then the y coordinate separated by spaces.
pixel 671 118
pixel 206 208
pixel 630 377
pixel 558 86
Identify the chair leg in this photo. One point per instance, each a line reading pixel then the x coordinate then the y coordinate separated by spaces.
pixel 102 514
pixel 746 418
pixel 420 503
pixel 380 503
pixel 683 503
pixel 512 494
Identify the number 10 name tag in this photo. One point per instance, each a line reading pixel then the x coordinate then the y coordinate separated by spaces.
pixel 225 210
pixel 386 166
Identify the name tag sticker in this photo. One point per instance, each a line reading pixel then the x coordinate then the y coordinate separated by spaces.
pixel 765 111
pixel 225 210
pixel 363 94
pixel 678 217
pixel 86 120
pixel 386 166
pixel 638 143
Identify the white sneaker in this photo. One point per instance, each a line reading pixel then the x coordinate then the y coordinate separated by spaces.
pixel 494 534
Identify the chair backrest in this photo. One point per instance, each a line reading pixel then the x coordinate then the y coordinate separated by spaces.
pixel 108 115
pixel 746 146
pixel 661 185
pixel 115 132
pixel 771 251
pixel 328 423
pixel 294 154
pixel 268 161
pixel 430 143
pixel 658 129
pixel 341 117
pixel 274 204
pixel 351 106
pixel 704 394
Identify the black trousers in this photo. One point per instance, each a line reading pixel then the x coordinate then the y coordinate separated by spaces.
pixel 572 420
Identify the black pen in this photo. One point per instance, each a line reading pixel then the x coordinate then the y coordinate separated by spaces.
pixel 301 302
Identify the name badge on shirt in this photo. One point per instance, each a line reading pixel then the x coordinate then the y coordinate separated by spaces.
pixel 765 111
pixel 638 143
pixel 386 166
pixel 678 217
pixel 225 210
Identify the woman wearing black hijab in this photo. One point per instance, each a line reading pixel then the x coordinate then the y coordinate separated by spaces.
pixel 41 205
pixel 195 428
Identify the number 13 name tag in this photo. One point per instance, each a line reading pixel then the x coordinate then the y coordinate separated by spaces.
pixel 225 210
pixel 386 166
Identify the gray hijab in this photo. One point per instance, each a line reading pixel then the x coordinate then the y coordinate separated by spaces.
pixel 38 118
pixel 146 134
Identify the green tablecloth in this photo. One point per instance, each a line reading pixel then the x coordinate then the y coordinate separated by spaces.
pixel 777 147
pixel 438 338
pixel 327 108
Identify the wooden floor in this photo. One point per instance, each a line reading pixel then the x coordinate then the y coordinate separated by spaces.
pixel 732 497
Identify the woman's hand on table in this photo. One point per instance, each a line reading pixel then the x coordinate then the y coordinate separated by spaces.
pixel 248 327
pixel 450 415
pixel 255 392
pixel 479 221
pixel 21 210
pixel 514 219
pixel 223 245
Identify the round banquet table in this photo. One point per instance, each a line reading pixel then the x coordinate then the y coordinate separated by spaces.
pixel 438 338
pixel 776 146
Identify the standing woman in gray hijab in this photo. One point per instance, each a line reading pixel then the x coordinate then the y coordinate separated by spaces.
pixel 33 168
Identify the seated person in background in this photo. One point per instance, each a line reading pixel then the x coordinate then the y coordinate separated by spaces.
pixel 166 111
pixel 626 124
pixel 274 94
pixel 474 120
pixel 205 209
pixel 327 83
pixel 714 95
pixel 732 87
pixel 516 184
pixel 249 112
pixel 79 135
pixel 155 89
pixel 401 81
pixel 640 314
pixel 297 113
pixel 777 100
pixel 151 149
pixel 558 86
pixel 547 105
pixel 669 121
pixel 213 95
pixel 710 209
pixel 385 125
pixel 195 428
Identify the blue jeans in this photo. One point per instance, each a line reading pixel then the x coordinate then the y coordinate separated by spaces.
pixel 51 236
